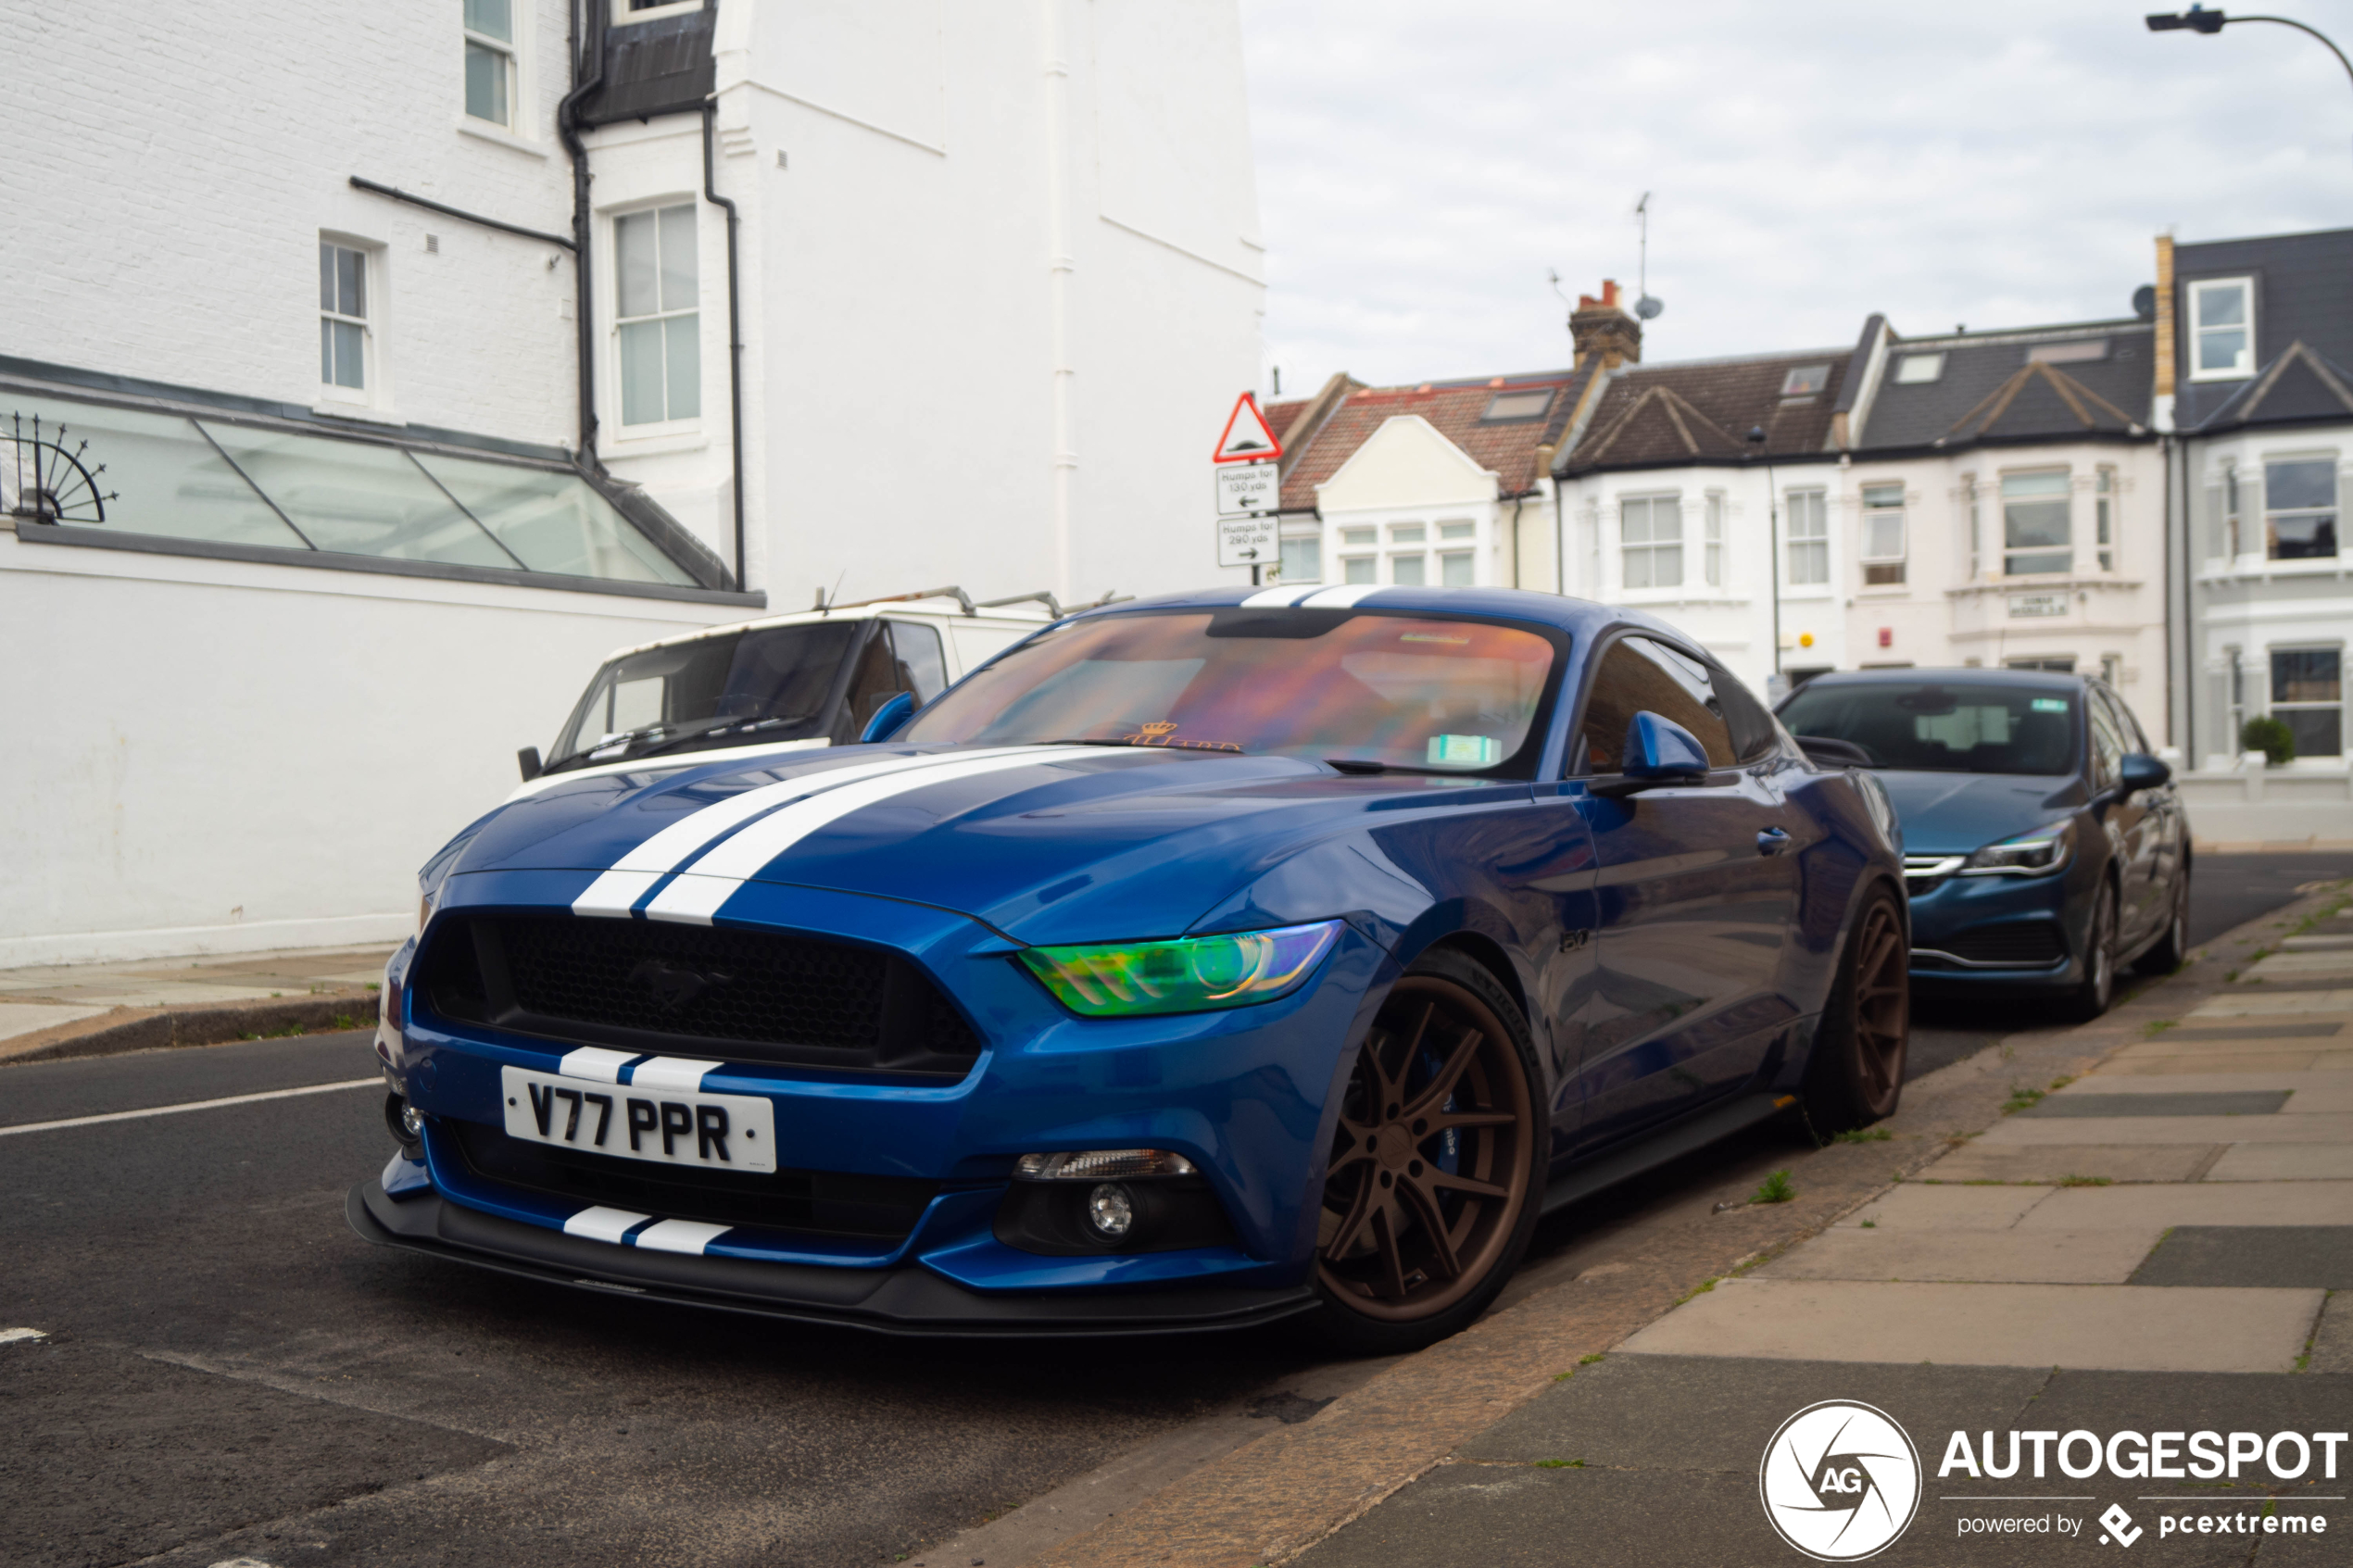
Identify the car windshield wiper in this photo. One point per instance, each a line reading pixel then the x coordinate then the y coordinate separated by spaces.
pixel 734 726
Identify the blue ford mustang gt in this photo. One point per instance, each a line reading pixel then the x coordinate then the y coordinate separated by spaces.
pixel 1197 962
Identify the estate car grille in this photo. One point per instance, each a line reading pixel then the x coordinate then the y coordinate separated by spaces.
pixel 2032 946
pixel 749 995
pixel 789 1200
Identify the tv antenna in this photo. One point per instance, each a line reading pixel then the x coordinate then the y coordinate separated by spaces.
pixel 1645 305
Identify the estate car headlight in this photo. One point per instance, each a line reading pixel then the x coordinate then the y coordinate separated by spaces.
pixel 2036 853
pixel 1193 974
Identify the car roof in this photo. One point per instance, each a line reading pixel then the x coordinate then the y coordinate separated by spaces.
pixel 2049 680
pixel 1581 618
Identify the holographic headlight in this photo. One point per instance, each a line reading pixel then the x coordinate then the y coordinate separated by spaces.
pixel 1195 974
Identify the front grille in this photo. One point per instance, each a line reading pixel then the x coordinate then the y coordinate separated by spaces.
pixel 2009 947
pixel 750 996
pixel 822 1201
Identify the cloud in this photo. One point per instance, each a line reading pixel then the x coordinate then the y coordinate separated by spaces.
pixel 1421 168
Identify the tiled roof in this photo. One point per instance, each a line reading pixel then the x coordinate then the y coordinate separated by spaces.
pixel 2046 382
pixel 2300 297
pixel 1701 411
pixel 1456 408
pixel 1281 416
pixel 2301 384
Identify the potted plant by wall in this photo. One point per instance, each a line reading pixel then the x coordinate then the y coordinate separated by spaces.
pixel 2272 737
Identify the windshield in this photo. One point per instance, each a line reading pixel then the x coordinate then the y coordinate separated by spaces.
pixel 1943 726
pixel 769 684
pixel 1395 691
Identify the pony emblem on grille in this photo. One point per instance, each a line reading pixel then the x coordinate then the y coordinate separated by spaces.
pixel 674 984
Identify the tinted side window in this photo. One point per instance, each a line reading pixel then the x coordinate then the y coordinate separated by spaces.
pixel 921 662
pixel 1637 675
pixel 2107 743
pixel 1752 727
pixel 2136 738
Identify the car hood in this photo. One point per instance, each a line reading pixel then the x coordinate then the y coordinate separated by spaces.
pixel 1960 813
pixel 1043 842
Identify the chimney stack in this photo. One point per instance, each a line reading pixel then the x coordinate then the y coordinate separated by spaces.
pixel 1604 326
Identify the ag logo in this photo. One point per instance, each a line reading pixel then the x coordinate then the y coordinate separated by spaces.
pixel 1840 1481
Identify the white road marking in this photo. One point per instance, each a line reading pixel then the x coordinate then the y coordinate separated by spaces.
pixel 595 1063
pixel 677 1073
pixel 703 887
pixel 616 892
pixel 679 1236
pixel 191 1105
pixel 604 1225
pixel 9 1335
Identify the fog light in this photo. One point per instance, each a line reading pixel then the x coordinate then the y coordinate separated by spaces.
pixel 406 1123
pixel 1111 1213
pixel 412 1121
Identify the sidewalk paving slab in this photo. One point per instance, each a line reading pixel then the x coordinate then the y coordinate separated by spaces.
pixel 2285 1162
pixel 2279 1256
pixel 2106 1079
pixel 1990 1208
pixel 2004 1257
pixel 2183 1102
pixel 2119 1326
pixel 2049 1164
pixel 2333 1340
pixel 2172 1131
pixel 2192 1203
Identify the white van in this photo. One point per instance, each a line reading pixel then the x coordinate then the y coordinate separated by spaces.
pixel 785 683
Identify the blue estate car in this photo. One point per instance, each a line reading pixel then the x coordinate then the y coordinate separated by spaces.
pixel 2046 846
pixel 1196 962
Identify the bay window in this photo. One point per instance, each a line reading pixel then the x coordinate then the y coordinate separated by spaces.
pixel 2037 523
pixel 1651 531
pixel 2299 509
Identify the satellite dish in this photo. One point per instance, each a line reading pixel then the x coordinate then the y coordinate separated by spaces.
pixel 1648 306
pixel 2145 302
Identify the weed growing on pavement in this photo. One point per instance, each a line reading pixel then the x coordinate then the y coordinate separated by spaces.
pixel 1588 1360
pixel 2062 1081
pixel 2159 1025
pixel 1774 1189
pixel 1870 1224
pixel 2074 1181
pixel 2021 1098
pixel 1702 1289
pixel 1863 1135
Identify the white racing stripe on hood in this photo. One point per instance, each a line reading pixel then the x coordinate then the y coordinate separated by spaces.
pixel 1340 599
pixel 616 892
pixel 678 1073
pixel 595 1063
pixel 698 891
pixel 1277 596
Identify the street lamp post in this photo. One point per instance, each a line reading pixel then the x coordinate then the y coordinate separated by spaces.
pixel 2198 18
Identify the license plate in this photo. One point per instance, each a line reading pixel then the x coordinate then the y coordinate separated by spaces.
pixel 710 1131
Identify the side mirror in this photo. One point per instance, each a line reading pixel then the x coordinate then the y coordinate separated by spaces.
pixel 2142 772
pixel 1658 752
pixel 528 761
pixel 887 718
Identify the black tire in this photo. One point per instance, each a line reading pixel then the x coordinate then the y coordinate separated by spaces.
pixel 2172 949
pixel 1855 1074
pixel 1410 1248
pixel 2097 990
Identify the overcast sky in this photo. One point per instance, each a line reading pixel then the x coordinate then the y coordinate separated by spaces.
pixel 1421 166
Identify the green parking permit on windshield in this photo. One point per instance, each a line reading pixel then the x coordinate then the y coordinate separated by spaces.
pixel 1462 751
pixel 2050 705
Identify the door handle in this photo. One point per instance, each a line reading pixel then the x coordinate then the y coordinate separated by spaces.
pixel 1772 840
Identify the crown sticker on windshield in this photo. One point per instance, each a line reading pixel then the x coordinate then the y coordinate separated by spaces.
pixel 2050 705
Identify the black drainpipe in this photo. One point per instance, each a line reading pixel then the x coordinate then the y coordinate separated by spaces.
pixel 734 332
pixel 588 43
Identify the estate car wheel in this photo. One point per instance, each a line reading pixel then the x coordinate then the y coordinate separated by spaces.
pixel 2172 949
pixel 1855 1075
pixel 2091 998
pixel 1431 1190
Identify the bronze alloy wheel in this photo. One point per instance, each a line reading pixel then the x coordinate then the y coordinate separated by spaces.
pixel 1882 1007
pixel 1431 1167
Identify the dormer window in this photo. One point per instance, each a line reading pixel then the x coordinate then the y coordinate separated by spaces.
pixel 1913 369
pixel 1529 405
pixel 2222 329
pixel 1804 381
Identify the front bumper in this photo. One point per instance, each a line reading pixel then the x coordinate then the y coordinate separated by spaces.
pixel 1979 933
pixel 1244 1095
pixel 907 1299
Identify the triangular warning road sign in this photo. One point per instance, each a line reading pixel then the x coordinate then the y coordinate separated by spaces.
pixel 1248 438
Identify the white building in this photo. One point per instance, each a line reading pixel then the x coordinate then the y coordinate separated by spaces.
pixel 2256 336
pixel 401 339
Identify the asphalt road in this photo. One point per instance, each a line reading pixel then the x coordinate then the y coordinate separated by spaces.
pixel 229 1373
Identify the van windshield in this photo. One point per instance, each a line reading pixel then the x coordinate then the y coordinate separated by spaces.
pixel 1943 726
pixel 750 686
